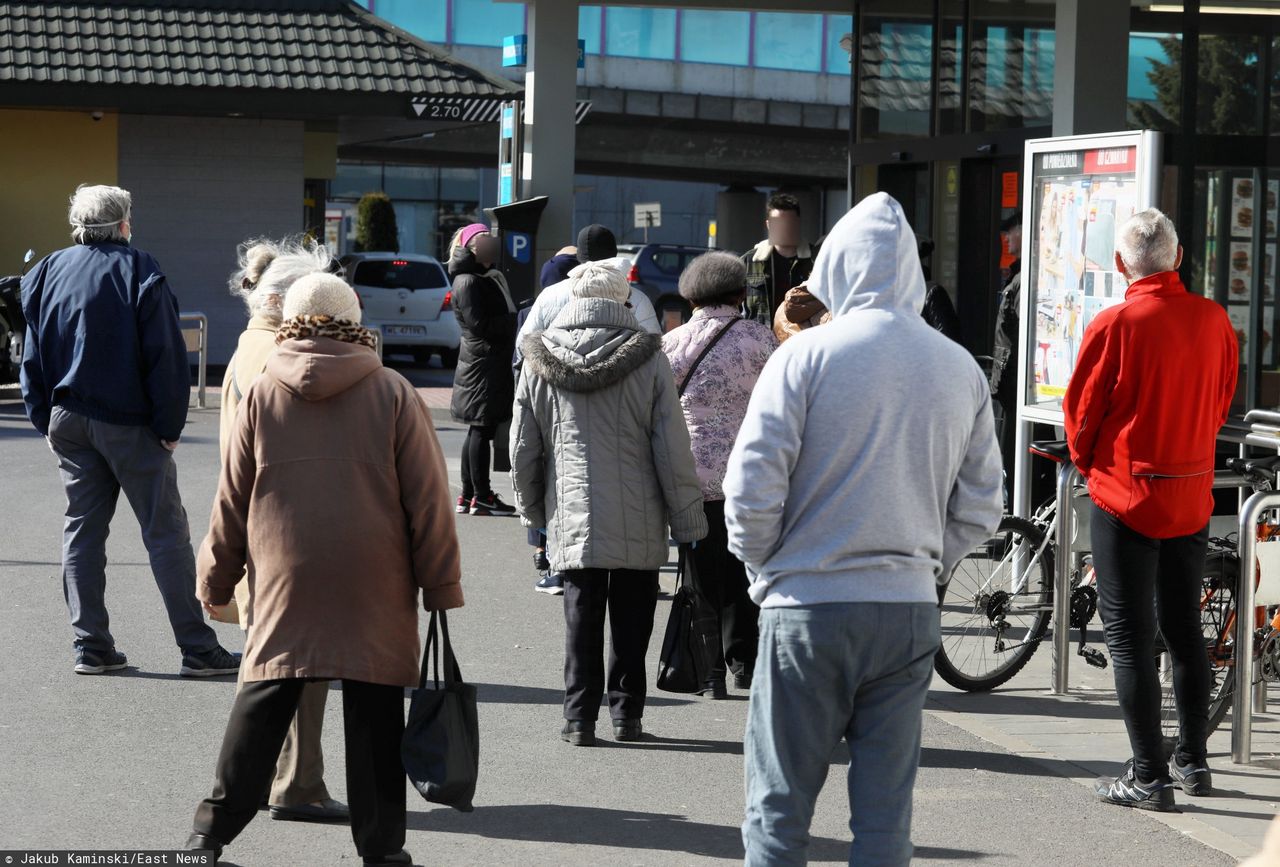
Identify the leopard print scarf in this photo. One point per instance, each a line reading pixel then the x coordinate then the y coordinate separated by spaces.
pixel 302 327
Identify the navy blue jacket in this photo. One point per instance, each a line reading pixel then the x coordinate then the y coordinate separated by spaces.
pixel 103 340
pixel 556 269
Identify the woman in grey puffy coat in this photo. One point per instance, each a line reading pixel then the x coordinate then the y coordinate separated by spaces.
pixel 600 457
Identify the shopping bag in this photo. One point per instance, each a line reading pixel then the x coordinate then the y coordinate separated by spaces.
pixel 691 642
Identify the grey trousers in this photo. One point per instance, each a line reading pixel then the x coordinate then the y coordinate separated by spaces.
pixel 97 461
pixel 858 671
pixel 299 775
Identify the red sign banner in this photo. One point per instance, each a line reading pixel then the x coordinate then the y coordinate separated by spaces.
pixel 1110 161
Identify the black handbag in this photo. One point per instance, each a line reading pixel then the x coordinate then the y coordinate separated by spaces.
pixel 441 744
pixel 691 643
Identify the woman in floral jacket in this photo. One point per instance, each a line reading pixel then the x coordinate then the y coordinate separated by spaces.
pixel 725 354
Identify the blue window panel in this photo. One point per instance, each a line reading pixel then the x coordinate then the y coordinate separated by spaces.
pixel 424 20
pixel 786 40
pixel 1145 51
pixel 909 50
pixel 646 33
pixel 838 26
pixel 484 22
pixel 715 37
pixel 589 27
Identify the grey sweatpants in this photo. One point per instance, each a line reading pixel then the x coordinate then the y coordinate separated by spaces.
pixel 858 671
pixel 97 461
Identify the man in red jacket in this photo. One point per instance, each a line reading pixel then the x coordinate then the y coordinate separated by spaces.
pixel 1151 388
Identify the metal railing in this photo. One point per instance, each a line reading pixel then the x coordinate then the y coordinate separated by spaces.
pixel 1264 432
pixel 197 340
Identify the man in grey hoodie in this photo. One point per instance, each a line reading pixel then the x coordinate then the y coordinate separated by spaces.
pixel 867 467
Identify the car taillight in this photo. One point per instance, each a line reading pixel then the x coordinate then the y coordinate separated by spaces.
pixel 448 301
pixel 633 276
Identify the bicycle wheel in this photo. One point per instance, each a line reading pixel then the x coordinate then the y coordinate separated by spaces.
pixel 1217 604
pixel 996 608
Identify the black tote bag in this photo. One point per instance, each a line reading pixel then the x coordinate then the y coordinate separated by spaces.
pixel 441 745
pixel 691 643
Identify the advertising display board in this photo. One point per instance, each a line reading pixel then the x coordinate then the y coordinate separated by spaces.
pixel 1078 191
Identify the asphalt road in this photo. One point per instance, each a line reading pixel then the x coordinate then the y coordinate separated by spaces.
pixel 120 761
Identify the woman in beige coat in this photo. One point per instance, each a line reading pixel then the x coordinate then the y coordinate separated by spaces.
pixel 334 494
pixel 266 271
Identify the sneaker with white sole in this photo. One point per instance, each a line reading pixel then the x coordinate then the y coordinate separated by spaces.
pixel 552 583
pixel 210 663
pixel 99 661
pixel 1127 790
pixel 463 506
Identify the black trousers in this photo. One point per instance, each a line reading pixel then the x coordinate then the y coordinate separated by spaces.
pixel 477 452
pixel 722 580
pixel 630 597
pixel 1143 582
pixel 373 718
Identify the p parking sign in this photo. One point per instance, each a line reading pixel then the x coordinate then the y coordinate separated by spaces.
pixel 520 246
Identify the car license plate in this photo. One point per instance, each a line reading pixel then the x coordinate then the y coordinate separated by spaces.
pixel 404 331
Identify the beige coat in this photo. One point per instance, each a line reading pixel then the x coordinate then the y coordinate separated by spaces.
pixel 334 494
pixel 250 358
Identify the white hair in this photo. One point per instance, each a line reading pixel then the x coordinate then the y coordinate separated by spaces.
pixel 599 280
pixel 96 213
pixel 1147 244
pixel 268 268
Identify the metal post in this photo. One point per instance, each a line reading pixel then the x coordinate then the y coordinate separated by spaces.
pixel 1241 710
pixel 201 347
pixel 1068 478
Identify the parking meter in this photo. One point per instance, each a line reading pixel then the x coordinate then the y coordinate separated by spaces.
pixel 517 228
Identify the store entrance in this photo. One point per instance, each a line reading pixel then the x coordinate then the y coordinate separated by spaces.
pixel 990 191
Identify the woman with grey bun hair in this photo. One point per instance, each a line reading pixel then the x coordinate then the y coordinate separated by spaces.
pixel 265 271
pixel 716 358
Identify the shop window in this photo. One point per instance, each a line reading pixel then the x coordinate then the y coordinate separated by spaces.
pixel 1228 85
pixel 1011 67
pixel 715 37
pixel 644 33
pixel 589 20
pixel 1155 80
pixel 951 68
pixel 786 40
pixel 482 22
pixel 897 71
pixel 353 180
pixel 410 182
pixel 427 21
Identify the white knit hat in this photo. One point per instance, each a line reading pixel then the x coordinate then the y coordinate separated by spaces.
pixel 322 295
pixel 599 280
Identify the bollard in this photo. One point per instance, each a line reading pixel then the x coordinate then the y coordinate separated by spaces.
pixel 1242 698
pixel 1059 663
pixel 201 345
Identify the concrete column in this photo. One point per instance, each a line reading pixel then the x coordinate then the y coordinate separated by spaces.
pixel 739 218
pixel 551 90
pixel 1090 75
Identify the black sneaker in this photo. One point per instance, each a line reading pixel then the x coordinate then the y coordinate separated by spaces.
pixel 209 663
pixel 552 584
pixel 579 733
pixel 99 661
pixel 1195 779
pixel 491 506
pixel 625 730
pixel 541 564
pixel 1127 790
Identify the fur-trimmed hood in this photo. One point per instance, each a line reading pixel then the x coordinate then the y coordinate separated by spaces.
pixel 592 344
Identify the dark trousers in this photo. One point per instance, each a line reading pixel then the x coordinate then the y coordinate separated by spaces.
pixel 97 461
pixel 373 719
pixel 631 597
pixel 1143 582
pixel 721 579
pixel 477 452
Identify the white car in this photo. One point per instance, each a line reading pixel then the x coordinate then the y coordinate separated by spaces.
pixel 407 298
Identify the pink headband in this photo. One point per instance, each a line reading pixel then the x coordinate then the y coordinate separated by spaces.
pixel 470 232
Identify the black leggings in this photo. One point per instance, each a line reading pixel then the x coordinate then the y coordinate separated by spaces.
pixel 476 458
pixel 1142 582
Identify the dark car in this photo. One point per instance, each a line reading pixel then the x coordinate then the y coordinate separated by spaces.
pixel 13 325
pixel 656 269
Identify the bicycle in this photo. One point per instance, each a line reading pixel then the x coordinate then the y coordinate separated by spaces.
pixel 999 600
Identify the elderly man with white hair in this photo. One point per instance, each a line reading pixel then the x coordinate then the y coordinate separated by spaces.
pixel 105 378
pixel 1153 385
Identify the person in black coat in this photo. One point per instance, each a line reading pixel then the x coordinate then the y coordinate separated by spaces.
pixel 483 385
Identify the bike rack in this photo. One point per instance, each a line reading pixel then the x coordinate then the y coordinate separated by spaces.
pixel 197 340
pixel 1060 660
pixel 1264 433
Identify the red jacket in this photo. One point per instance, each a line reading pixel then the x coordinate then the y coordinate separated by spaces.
pixel 1151 389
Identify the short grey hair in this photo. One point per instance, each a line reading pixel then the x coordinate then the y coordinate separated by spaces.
pixel 1147 244
pixel 713 277
pixel 266 269
pixel 96 213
